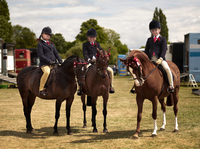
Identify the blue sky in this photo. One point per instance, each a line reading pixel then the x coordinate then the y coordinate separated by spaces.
pixel 129 18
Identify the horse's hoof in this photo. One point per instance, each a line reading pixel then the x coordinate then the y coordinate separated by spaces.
pixel 30 131
pixel 84 126
pixel 176 130
pixel 153 135
pixel 95 130
pixel 70 133
pixel 134 137
pixel 56 134
pixel 162 129
pixel 105 131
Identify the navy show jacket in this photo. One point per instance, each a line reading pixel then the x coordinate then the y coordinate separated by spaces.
pixel 47 53
pixel 89 51
pixel 159 47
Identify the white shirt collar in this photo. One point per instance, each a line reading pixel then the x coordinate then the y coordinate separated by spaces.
pixel 157 36
pixel 43 39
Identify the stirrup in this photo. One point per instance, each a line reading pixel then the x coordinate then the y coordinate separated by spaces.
pixel 43 92
pixel 170 89
pixel 79 92
pixel 132 91
pixel 112 90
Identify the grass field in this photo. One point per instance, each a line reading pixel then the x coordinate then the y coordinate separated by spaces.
pixel 121 122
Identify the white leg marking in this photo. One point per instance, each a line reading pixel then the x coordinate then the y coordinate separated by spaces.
pixel 164 121
pixel 155 128
pixel 176 124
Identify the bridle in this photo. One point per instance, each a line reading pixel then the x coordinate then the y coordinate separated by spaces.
pixel 99 69
pixel 75 72
pixel 135 60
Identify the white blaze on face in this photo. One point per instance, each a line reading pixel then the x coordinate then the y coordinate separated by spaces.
pixel 82 69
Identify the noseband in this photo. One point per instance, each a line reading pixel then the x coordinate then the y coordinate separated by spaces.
pixel 135 60
pixel 75 67
pixel 103 68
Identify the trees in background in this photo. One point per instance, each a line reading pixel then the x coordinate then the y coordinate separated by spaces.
pixel 23 37
pixel 5 24
pixel 59 42
pixel 85 26
pixel 106 37
pixel 160 17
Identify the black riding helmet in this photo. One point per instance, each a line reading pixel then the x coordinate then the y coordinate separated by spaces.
pixel 47 30
pixel 154 24
pixel 92 32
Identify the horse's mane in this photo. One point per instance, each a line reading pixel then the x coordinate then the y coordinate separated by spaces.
pixel 139 54
pixel 70 58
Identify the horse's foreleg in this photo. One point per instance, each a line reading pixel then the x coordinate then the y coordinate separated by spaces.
pixel 84 111
pixel 154 115
pixel 175 96
pixel 57 115
pixel 68 109
pixel 163 108
pixel 94 113
pixel 139 115
pixel 105 100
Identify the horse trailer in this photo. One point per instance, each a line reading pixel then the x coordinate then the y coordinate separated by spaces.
pixel 192 54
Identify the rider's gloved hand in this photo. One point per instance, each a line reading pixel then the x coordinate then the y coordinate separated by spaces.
pixel 52 62
pixel 60 62
pixel 159 61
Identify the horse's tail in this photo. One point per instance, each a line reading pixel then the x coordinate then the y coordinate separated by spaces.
pixel 170 100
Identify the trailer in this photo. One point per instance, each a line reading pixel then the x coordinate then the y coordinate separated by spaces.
pixel 192 54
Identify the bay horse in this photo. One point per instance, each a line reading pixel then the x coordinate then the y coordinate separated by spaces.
pixel 97 83
pixel 152 87
pixel 63 87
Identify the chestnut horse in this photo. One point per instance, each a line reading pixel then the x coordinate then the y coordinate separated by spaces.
pixel 62 87
pixel 97 83
pixel 152 87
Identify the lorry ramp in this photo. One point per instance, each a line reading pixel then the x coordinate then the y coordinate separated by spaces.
pixel 8 79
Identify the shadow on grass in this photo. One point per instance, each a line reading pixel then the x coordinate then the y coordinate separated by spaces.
pixel 110 135
pixel 47 132
pixel 44 132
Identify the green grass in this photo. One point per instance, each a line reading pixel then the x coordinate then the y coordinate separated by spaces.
pixel 121 122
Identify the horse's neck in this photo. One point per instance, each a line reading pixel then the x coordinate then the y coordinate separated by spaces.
pixel 147 66
pixel 68 68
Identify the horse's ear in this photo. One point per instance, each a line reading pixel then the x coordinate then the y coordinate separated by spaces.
pixel 77 58
pixel 97 49
pixel 108 50
pixel 122 60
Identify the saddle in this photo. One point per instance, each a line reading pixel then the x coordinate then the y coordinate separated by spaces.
pixel 51 77
pixel 164 74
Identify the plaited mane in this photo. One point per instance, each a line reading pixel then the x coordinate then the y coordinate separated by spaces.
pixel 139 54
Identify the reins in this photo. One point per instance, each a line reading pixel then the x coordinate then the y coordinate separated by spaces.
pixel 150 73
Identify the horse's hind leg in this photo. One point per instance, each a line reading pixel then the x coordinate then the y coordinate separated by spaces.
pixel 163 108
pixel 176 97
pixel 84 111
pixel 28 99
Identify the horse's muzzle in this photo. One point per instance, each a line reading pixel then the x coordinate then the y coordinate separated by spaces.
pixel 104 75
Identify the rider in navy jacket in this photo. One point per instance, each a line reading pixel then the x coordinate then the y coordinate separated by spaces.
pixel 47 53
pixel 159 47
pixel 90 50
pixel 48 56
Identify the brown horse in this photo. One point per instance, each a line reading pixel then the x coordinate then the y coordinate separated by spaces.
pixel 152 87
pixel 62 87
pixel 97 83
